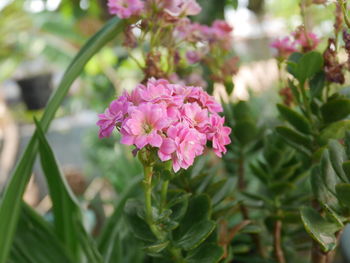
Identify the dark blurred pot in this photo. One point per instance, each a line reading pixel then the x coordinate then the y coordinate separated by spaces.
pixel 36 90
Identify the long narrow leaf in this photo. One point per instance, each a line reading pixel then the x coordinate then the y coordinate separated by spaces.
pixel 66 210
pixel 35 241
pixel 11 199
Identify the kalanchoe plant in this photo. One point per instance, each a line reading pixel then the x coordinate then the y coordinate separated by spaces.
pixel 167 122
pixel 279 191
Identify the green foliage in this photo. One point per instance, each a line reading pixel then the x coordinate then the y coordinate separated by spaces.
pixel 11 198
pixel 320 229
pixel 336 109
pixel 31 240
pixel 298 121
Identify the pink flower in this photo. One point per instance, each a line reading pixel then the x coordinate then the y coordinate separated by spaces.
pixel 284 46
pixel 196 116
pixel 112 116
pixel 195 79
pixel 191 32
pixel 182 7
pixel 144 125
pixel 221 29
pixel 182 146
pixel 193 56
pixel 155 91
pixel 198 95
pixel 218 134
pixel 125 8
pixel 308 41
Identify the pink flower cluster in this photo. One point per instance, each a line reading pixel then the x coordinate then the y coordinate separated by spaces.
pixel 125 8
pixel 176 8
pixel 175 119
pixel 298 41
pixel 220 32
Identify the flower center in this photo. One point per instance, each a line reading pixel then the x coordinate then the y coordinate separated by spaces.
pixel 147 128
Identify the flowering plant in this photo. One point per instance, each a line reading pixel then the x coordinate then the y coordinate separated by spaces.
pixel 278 192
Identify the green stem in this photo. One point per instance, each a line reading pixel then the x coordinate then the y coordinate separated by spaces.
pixel 164 194
pixel 305 101
pixel 344 9
pixel 147 183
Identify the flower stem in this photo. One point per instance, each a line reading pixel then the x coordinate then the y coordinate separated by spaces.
pixel 277 242
pixel 164 194
pixel 147 184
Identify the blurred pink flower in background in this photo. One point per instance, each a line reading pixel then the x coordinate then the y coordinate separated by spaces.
pixel 125 8
pixel 181 7
pixel 284 46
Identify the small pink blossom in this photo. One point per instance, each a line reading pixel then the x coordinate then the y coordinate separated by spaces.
pixel 193 56
pixel 112 116
pixel 125 8
pixel 196 116
pixel 221 29
pixel 143 126
pixel 155 91
pixel 198 95
pixel 308 41
pixel 182 146
pixel 195 79
pixel 284 46
pixel 182 7
pixel 218 134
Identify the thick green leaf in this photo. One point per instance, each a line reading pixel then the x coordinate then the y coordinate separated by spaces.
pixel 336 110
pixel 292 63
pixel 346 169
pixel 133 208
pixel 11 198
pixel 260 173
pixel 242 112
pixel 335 130
pixel 207 253
pixel 229 86
pixel 298 141
pixel 317 84
pixel 36 241
pixel 347 143
pixel 337 157
pixel 279 188
pixel 178 203
pixel 198 210
pixel 245 131
pixel 328 175
pixel 308 65
pixel 319 228
pixel 157 247
pixel 196 235
pixel 319 189
pixel 343 193
pixel 298 121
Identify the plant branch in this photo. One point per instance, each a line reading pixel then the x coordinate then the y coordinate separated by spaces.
pixel 147 183
pixel 244 210
pixel 277 242
pixel 344 9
